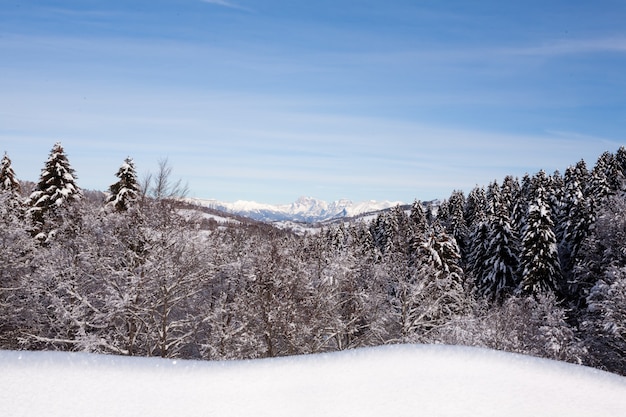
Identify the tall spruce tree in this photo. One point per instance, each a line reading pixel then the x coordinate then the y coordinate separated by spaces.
pixel 57 187
pixel 510 194
pixel 10 187
pixel 540 268
pixel 475 208
pixel 574 218
pixel 8 180
pixel 126 190
pixel 455 223
pixel 525 197
pixel 620 164
pixel 501 261
pixel 476 219
pixel 604 179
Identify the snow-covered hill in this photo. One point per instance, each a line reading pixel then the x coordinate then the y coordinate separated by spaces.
pixel 305 209
pixel 407 380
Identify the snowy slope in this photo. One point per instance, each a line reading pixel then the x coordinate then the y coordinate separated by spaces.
pixel 305 209
pixel 384 381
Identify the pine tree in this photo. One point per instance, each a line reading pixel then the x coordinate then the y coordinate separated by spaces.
pixel 604 179
pixel 8 181
pixel 476 219
pixel 525 197
pixel 620 164
pixel 418 217
pixel 540 268
pixel 10 188
pixel 574 217
pixel 475 208
pixel 510 194
pixel 501 261
pixel 600 286
pixel 455 224
pixel 493 198
pixel 56 187
pixel 125 191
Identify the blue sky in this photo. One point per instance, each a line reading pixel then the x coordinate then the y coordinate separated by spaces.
pixel 270 100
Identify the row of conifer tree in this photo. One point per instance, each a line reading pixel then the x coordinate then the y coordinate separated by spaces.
pixel 534 266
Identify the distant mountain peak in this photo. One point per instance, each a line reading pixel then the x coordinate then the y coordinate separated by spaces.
pixel 304 209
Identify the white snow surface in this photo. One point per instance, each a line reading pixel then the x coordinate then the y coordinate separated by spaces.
pixel 305 209
pixel 190 214
pixel 402 380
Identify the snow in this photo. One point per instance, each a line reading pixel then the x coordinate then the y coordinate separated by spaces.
pixel 305 209
pixel 191 214
pixel 403 380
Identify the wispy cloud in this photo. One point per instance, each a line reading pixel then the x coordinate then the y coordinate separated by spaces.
pixel 570 47
pixel 229 4
pixel 257 147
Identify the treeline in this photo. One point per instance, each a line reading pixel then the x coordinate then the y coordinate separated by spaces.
pixel 534 266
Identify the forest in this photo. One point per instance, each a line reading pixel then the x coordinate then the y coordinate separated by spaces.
pixel 535 265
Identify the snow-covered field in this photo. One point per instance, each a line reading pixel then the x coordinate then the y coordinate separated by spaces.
pixel 409 380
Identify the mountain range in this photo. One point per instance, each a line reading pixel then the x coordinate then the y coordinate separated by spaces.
pixel 304 209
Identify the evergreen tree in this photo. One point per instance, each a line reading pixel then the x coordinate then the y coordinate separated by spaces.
pixel 455 224
pixel 441 251
pixel 540 268
pixel 557 191
pixel 600 286
pixel 418 217
pixel 498 276
pixel 475 208
pixel 478 256
pixel 8 181
pixel 602 248
pixel 10 188
pixel 476 219
pixel 56 187
pixel 574 217
pixel 525 197
pixel 510 194
pixel 604 180
pixel 493 198
pixel 620 164
pixel 125 191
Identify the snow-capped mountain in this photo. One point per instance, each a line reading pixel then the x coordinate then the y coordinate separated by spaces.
pixel 304 209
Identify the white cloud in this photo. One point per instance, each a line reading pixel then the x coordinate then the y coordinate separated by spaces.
pixel 570 47
pixel 225 3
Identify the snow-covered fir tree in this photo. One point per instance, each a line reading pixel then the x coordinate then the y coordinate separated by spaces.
pixel 574 217
pixel 600 285
pixel 477 258
pixel 476 220
pixel 604 180
pixel 126 190
pixel 454 221
pixel 620 164
pixel 56 187
pixel 525 197
pixel 540 268
pixel 10 190
pixel 8 180
pixel 499 272
pixel 510 192
pixel 419 218
pixel 475 211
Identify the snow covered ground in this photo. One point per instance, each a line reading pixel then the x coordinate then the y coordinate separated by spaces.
pixel 404 380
